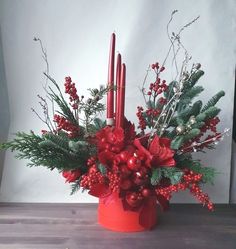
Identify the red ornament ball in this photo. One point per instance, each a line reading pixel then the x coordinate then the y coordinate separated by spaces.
pixel 134 163
pixel 125 172
pixel 124 155
pixel 133 199
pixel 146 192
pixel 126 184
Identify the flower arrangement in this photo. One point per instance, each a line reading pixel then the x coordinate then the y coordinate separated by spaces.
pixel 114 160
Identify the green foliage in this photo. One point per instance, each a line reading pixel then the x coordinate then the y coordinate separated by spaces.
pixel 51 151
pixel 59 99
pixel 191 134
pixel 178 141
pixel 198 125
pixel 170 91
pixel 188 111
pixel 188 96
pixel 201 117
pixel 75 186
pixel 193 80
pixel 78 146
pixel 173 173
pixel 211 112
pixel 208 173
pixel 156 176
pixel 102 168
pixel 213 100
pixel 99 123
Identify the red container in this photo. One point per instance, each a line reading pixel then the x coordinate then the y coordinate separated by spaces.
pixel 111 215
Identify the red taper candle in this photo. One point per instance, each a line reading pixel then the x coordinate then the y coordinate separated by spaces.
pixel 110 93
pixel 118 69
pixel 121 114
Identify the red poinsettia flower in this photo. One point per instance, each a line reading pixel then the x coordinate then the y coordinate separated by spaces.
pixel 71 175
pixel 158 153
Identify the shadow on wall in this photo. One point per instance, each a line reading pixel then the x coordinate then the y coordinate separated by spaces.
pixel 4 107
pixel 233 161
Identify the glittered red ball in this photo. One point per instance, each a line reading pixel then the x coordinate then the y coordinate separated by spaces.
pixel 134 163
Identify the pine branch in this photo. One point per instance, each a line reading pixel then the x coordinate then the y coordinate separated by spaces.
pixel 43 152
pixel 178 141
pixel 193 80
pixel 75 186
pixel 208 173
pixel 213 100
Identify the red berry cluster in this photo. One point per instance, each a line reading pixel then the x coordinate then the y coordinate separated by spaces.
pixel 114 181
pixel 157 67
pixel 64 124
pixel 141 120
pixel 191 181
pixel 167 191
pixel 153 112
pixel 147 117
pixel 91 179
pixel 162 101
pixel 71 90
pixel 91 161
pixel 211 124
pixel 158 87
pixel 202 197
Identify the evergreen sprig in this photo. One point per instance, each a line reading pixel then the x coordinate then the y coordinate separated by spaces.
pixel 213 100
pixel 187 162
pixel 44 151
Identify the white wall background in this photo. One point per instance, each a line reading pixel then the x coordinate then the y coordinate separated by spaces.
pixel 76 35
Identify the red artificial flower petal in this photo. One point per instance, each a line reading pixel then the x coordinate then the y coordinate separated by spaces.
pixel 71 175
pixel 100 190
pixel 159 152
pixel 119 135
pixel 106 157
pixel 154 147
pixel 165 141
pixel 168 163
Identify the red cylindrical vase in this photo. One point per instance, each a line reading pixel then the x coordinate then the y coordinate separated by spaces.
pixel 113 216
